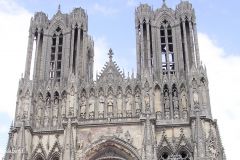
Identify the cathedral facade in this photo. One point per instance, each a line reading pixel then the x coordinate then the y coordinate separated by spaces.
pixel 161 113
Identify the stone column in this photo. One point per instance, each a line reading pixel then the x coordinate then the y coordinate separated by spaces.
pixel 138 50
pixel 185 45
pixel 36 56
pixel 142 51
pixel 29 55
pixel 72 51
pixel 78 54
pixel 148 47
pixel 191 43
pixel 84 55
pixel 167 50
pixel 196 44
pixel 42 58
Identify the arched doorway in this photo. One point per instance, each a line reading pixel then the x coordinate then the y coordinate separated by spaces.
pixel 112 149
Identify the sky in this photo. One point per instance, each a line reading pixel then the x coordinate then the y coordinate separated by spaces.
pixel 111 24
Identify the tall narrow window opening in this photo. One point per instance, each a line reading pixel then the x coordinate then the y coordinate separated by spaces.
pixel 74 49
pixel 145 44
pixel 183 48
pixel 167 52
pixel 56 55
pixel 163 50
pixel 189 42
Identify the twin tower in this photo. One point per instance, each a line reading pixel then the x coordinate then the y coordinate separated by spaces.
pixel 162 113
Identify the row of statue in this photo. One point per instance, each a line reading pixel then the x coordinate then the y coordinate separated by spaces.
pixel 166 105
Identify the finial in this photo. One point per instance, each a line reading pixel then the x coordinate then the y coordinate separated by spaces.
pixel 110 54
pixel 59 8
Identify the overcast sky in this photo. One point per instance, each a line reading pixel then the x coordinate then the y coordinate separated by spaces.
pixel 111 23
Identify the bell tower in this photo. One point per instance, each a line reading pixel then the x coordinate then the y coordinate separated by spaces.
pixel 62 47
pixel 166 40
pixel 143 24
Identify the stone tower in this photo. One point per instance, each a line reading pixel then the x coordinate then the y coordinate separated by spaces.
pixel 163 113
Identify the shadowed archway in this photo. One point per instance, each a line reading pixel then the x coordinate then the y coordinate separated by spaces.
pixel 111 148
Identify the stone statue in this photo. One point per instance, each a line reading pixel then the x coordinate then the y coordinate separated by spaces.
pixel 175 105
pixel 72 107
pixel 147 100
pixel 129 104
pixel 138 103
pixel 204 96
pixel 54 121
pixel 166 106
pixel 195 97
pixel 83 106
pixel 64 106
pixel 56 100
pixel 19 104
pixel 157 101
pixel 91 107
pixel 26 105
pixel 101 106
pixel 110 105
pixel 55 113
pixel 184 101
pixel 55 110
pixel 38 122
pixel 119 105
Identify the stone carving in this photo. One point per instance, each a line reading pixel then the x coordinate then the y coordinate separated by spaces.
pixel 128 137
pixel 19 110
pixel 64 99
pixel 91 107
pixel 26 105
pixel 39 111
pixel 184 104
pixel 166 106
pixel 175 105
pixel 147 101
pixel 157 100
pixel 129 105
pixel 72 103
pixel 55 114
pixel 195 97
pixel 119 131
pixel 119 104
pixel 101 106
pixel 89 137
pixel 110 106
pixel 138 103
pixel 184 100
pixel 204 96
pixel 213 152
pixel 83 106
pixel 80 146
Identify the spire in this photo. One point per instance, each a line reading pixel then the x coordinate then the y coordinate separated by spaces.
pixel 59 8
pixel 110 54
pixel 164 3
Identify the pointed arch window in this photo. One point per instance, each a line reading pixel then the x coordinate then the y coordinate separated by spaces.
pixel 56 55
pixel 167 52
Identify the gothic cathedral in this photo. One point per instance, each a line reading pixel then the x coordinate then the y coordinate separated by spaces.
pixel 161 113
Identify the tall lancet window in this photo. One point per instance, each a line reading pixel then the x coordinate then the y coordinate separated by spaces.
pixel 56 55
pixel 168 61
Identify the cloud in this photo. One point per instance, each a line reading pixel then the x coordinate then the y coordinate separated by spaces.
pixel 223 74
pixel 14 26
pixel 101 49
pixel 102 9
pixel 14 35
